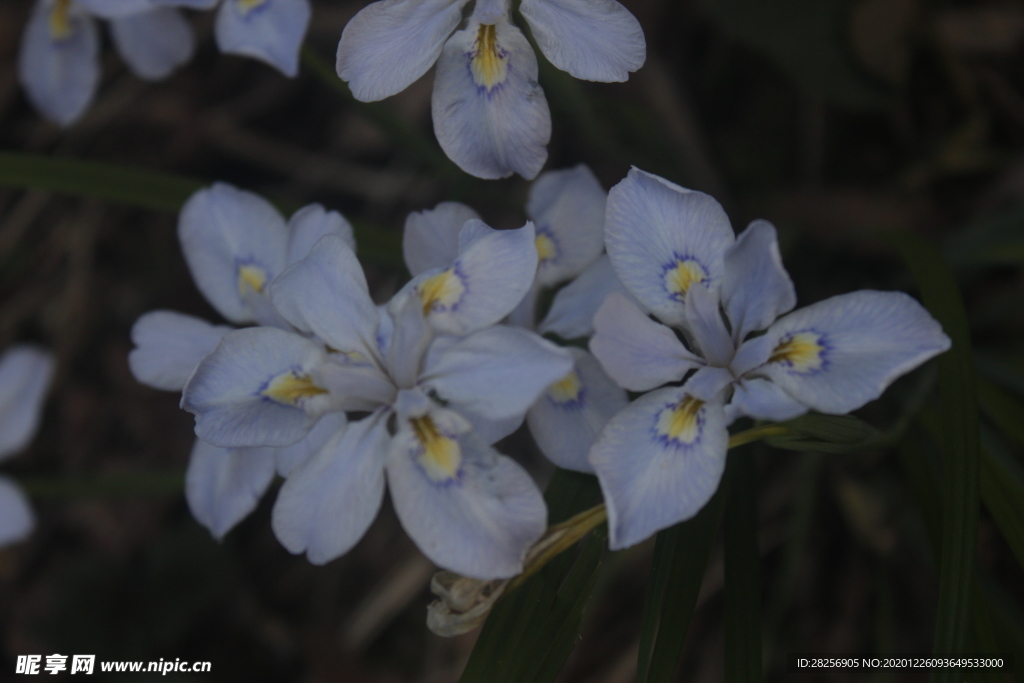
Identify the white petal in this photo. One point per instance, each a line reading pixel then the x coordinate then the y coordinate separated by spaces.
pixel 231 392
pixel 16 518
pixel 190 4
pixel 154 43
pixel 764 400
pixel 431 237
pixel 234 242
pixel 389 44
pixel 499 371
pixel 60 73
pixel 755 287
pixel 309 224
pixel 25 374
pixel 836 355
pixel 635 351
pixel 326 505
pixel 662 238
pixel 708 383
pixel 271 31
pixel 490 431
pixel 705 323
pixel 659 461
pixel 113 9
pixel 490 114
pixel 326 294
pixel 572 312
pixel 409 342
pixel 224 485
pixel 571 413
pixel 596 40
pixel 169 346
pixel 567 206
pixel 480 521
pixel 493 272
pixel 289 458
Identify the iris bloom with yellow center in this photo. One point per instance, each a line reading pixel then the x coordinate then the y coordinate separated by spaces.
pixel 490 115
pixel 738 352
pixel 434 380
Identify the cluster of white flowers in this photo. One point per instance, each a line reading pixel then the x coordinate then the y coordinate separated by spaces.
pixel 59 62
pixel 490 115
pixel 25 374
pixel 338 394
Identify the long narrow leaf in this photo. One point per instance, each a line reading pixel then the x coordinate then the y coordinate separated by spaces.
pixel 742 571
pixel 961 446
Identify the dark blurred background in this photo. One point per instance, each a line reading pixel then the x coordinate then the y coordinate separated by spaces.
pixel 837 120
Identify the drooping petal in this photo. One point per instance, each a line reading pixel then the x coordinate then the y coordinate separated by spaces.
pixel 638 353
pixel 704 321
pixel 389 44
pixel 114 9
pixel 25 374
pixel 755 287
pixel 259 387
pixel 499 371
pixel 763 400
pixel 572 312
pixel 490 114
pixel 662 239
pixel 327 504
pixel 58 62
pixel 326 294
pixel 431 237
pixel 16 518
pixel 567 206
pixel 154 43
pixel 659 460
pixel 222 485
pixel 467 508
pixel 596 40
pixel 309 224
pixel 494 270
pixel 235 243
pixel 169 346
pixel 268 30
pixel 836 355
pixel 571 413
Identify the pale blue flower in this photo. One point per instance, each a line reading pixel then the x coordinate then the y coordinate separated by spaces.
pixel 235 244
pixel 468 508
pixel 25 374
pixel 490 115
pixel 660 459
pixel 567 207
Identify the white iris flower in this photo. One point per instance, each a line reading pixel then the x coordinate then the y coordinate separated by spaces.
pixel 59 65
pixel 490 115
pixel 25 374
pixel 567 207
pixel 432 401
pixel 660 459
pixel 235 243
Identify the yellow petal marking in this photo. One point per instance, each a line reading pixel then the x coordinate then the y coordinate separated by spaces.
pixel 681 422
pixel 441 291
pixel 292 389
pixel 251 279
pixel 567 389
pixel 247 6
pixel 546 249
pixel 60 24
pixel 801 351
pixel 682 276
pixel 489 63
pixel 440 455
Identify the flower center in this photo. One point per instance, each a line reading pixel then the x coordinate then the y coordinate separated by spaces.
pixel 60 23
pixel 680 276
pixel 489 63
pixel 292 389
pixel 441 292
pixel 681 423
pixel 802 352
pixel 441 455
pixel 566 390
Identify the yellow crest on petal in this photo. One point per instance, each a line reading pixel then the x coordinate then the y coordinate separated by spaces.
pixel 246 6
pixel 681 423
pixel 440 455
pixel 546 247
pixel 251 279
pixel 441 291
pixel 802 352
pixel 59 21
pixel 489 63
pixel 683 275
pixel 567 389
pixel 292 389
